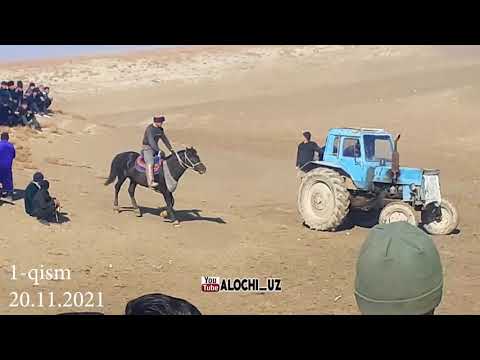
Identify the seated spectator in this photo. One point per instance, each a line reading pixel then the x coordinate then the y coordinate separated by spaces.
pixel 44 206
pixel 18 95
pixel 11 86
pixel 48 98
pixel 4 95
pixel 42 101
pixel 29 91
pixel 31 191
pixel 33 100
pixel 26 117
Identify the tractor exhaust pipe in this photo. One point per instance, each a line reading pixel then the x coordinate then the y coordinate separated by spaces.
pixel 395 161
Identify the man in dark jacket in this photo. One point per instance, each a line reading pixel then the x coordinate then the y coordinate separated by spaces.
pixel 17 95
pixel 153 133
pixel 33 101
pixel 44 206
pixel 30 88
pixel 306 151
pixel 26 117
pixel 31 191
pixel 5 104
pixel 48 98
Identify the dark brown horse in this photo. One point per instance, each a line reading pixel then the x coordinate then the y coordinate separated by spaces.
pixel 123 168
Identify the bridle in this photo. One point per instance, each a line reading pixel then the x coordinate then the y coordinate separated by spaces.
pixel 183 164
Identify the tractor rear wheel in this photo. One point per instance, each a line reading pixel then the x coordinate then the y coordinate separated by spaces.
pixel 448 223
pixel 323 199
pixel 397 211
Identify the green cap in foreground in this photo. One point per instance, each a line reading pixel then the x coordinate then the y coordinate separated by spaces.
pixel 399 272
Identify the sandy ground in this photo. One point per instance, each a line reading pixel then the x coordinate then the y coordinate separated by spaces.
pixel 243 108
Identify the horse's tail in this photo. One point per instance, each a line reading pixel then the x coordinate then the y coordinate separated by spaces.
pixel 113 174
pixel 120 165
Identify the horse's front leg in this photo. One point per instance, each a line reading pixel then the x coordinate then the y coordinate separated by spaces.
pixel 171 213
pixel 131 192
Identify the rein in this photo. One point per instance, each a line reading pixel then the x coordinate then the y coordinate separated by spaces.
pixel 185 165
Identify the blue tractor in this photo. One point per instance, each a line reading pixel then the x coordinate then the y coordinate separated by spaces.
pixel 359 169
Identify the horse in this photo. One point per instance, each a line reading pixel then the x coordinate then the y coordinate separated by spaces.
pixel 123 168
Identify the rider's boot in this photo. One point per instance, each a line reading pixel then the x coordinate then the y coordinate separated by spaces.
pixel 150 177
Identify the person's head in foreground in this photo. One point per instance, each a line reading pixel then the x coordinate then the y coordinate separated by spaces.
pixel 4 136
pixel 44 185
pixel 11 85
pixel 46 89
pixel 306 136
pixel 399 272
pixel 38 177
pixel 20 84
pixel 158 121
pixel 3 85
pixel 159 304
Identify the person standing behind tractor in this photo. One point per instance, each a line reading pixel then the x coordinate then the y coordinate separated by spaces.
pixel 7 154
pixel 398 272
pixel 306 152
pixel 153 133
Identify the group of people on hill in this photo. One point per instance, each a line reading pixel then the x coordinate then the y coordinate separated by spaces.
pixel 19 107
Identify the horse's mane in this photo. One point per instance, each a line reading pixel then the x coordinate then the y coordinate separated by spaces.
pixel 178 152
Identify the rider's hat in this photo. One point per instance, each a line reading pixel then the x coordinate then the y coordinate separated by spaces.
pixel 158 119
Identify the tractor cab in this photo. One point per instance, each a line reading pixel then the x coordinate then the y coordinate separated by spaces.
pixel 358 152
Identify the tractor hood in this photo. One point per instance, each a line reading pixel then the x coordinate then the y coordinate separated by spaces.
pixel 407 176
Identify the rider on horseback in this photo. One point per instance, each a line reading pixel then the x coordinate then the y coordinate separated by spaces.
pixel 153 133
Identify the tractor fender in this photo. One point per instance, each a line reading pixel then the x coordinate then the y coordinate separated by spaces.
pixel 329 165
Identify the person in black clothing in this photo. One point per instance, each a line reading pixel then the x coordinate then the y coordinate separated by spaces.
pixel 31 190
pixel 6 104
pixel 48 98
pixel 33 100
pixel 44 206
pixel 26 117
pixel 17 95
pixel 306 152
pixel 153 133
pixel 29 91
pixel 42 101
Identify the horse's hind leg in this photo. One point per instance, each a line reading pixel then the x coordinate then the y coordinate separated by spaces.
pixel 131 192
pixel 118 186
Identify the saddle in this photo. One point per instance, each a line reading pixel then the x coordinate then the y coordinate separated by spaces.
pixel 140 165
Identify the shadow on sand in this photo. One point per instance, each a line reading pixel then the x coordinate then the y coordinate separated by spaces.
pixel 18 194
pixel 182 215
pixel 367 220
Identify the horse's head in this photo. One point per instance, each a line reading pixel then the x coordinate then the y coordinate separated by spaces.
pixel 189 158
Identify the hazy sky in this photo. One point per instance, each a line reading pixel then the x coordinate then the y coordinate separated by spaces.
pixel 26 52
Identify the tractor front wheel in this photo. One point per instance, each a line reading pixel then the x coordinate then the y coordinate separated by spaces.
pixel 446 225
pixel 397 211
pixel 323 199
